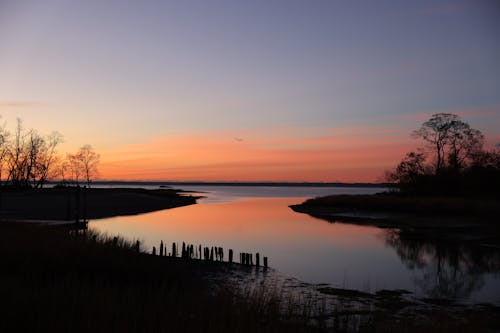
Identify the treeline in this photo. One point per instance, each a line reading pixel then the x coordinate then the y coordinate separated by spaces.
pixel 453 161
pixel 29 159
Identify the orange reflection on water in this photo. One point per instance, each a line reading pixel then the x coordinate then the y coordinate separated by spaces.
pixel 250 224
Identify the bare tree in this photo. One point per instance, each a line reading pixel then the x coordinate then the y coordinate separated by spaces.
pixel 451 140
pixel 47 158
pixel 75 169
pixel 4 149
pixel 89 160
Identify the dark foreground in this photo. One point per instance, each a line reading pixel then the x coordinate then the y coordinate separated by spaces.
pixel 60 280
pixel 56 280
pixel 63 203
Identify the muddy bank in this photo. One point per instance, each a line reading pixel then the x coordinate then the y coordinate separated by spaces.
pixel 62 203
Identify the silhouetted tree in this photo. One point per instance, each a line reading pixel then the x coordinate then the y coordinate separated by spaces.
pixel 75 168
pixel 89 160
pixel 30 159
pixel 458 164
pixel 4 149
pixel 451 140
pixel 409 171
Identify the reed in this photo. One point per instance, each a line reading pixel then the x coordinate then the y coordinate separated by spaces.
pixel 59 280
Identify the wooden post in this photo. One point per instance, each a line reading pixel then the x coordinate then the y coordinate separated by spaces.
pixel 265 262
pixel 174 250
pixel 212 254
pixel 191 251
pixel 68 211
pixel 257 259
pixel 154 251
pixel 230 256
pixel 85 204
pixel 221 254
pixel 161 248
pixel 137 246
pixel 77 204
pixel 115 241
pixel 200 251
pixel 251 259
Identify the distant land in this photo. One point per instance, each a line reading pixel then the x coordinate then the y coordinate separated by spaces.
pixel 235 183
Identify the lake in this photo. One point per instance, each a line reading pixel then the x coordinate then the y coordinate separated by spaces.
pixel 257 219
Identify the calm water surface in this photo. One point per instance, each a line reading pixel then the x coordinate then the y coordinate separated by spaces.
pixel 258 219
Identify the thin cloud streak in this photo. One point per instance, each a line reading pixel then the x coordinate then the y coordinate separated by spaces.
pixel 217 156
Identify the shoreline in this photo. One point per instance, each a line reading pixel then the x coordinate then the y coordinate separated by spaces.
pixel 62 204
pixel 457 219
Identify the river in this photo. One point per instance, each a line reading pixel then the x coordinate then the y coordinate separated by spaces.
pixel 257 219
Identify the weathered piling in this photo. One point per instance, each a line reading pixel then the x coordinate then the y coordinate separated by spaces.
pixel 212 253
pixel 221 255
pixel 77 204
pixel 115 241
pixel 161 248
pixel 200 251
pixel 85 204
pixel 230 256
pixel 174 250
pixel 265 262
pixel 154 251
pixel 257 259
pixel 137 246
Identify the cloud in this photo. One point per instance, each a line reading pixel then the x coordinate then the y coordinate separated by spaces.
pixel 347 154
pixel 17 104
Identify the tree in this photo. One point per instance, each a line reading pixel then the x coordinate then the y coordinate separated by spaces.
pixel 454 163
pixel 451 140
pixel 409 170
pixel 29 157
pixel 74 166
pixel 89 160
pixel 4 149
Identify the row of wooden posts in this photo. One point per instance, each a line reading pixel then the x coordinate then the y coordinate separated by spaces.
pixel 213 253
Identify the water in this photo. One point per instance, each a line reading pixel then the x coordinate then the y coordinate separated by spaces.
pixel 258 219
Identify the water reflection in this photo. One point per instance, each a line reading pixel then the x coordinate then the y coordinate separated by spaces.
pixel 445 269
pixel 344 255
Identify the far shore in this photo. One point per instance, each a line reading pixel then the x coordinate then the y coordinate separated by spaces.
pixel 60 204
pixel 453 217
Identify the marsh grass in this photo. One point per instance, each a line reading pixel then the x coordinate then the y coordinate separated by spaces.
pixel 65 281
pixel 58 280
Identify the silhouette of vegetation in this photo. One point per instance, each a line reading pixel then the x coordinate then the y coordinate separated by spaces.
pixel 453 161
pixel 61 280
pixel 83 165
pixel 29 159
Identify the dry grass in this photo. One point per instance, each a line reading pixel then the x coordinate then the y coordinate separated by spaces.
pixel 58 281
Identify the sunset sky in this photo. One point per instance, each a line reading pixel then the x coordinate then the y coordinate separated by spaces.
pixel 248 90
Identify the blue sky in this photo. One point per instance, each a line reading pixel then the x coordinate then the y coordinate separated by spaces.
pixel 114 73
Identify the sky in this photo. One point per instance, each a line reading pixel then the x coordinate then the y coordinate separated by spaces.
pixel 275 90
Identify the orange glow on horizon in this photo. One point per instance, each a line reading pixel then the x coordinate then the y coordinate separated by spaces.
pixel 259 156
